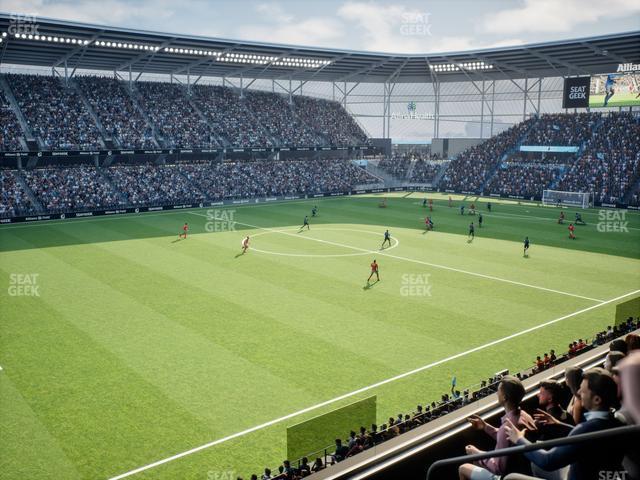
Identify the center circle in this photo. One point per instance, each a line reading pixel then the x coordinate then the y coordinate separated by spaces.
pixel 395 243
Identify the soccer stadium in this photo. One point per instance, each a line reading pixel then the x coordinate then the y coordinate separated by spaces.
pixel 337 240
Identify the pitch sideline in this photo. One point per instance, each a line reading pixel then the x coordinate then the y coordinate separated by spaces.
pixel 363 389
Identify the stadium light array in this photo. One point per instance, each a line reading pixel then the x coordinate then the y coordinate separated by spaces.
pixel 456 67
pixel 49 38
pixel 192 51
pixel 125 45
pixel 248 58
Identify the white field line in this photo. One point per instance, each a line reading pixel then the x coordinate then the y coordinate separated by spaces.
pixel 364 389
pixel 406 259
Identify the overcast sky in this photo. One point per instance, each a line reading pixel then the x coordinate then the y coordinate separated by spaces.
pixel 403 26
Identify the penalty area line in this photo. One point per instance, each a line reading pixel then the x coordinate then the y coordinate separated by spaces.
pixel 364 389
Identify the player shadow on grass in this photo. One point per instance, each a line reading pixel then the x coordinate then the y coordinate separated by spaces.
pixel 239 255
pixel 176 240
pixel 370 285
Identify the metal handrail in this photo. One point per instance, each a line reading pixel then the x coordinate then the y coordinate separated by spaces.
pixel 581 438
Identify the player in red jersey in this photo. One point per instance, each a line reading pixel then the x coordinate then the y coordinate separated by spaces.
pixel 561 219
pixel 374 270
pixel 245 244
pixel 431 205
pixel 571 231
pixel 428 224
pixel 450 202
pixel 185 229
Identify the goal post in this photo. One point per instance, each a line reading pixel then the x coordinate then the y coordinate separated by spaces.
pixel 561 198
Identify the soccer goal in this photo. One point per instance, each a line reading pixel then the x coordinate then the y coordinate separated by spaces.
pixel 560 198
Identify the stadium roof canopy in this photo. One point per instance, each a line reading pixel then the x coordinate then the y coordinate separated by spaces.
pixel 52 43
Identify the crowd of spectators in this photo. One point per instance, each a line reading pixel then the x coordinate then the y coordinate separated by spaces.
pixel 150 184
pixel 610 164
pixel 275 178
pixel 55 113
pixel 524 179
pixel 10 129
pixel 170 110
pixel 229 116
pixel 562 129
pixel 469 170
pixel 278 117
pixel 396 165
pixel 67 189
pixel 331 120
pixel 424 171
pixel 13 197
pixel 554 400
pixel 117 113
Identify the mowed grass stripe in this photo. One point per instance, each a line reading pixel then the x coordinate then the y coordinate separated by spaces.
pixel 88 399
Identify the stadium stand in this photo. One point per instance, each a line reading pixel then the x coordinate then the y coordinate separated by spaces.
pixel 472 168
pixel 331 120
pixel 10 129
pixel 230 116
pixel 117 113
pixel 14 199
pixel 279 119
pixel 55 113
pixel 177 121
pixel 66 189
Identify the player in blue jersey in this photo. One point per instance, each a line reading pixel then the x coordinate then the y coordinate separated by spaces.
pixel 387 238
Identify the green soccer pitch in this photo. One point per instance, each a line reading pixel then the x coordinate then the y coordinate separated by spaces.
pixel 134 347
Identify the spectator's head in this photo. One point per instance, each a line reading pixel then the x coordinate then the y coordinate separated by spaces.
pixel 598 390
pixel 612 360
pixel 510 392
pixel 633 342
pixel 629 370
pixel 549 393
pixel 573 377
pixel 618 345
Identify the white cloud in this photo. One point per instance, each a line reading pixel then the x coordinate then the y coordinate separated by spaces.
pixel 274 11
pixel 284 27
pixel 543 16
pixel 387 28
pixel 108 12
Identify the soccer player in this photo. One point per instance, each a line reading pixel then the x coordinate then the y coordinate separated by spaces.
pixel 245 244
pixel 472 231
pixel 374 270
pixel 424 203
pixel 450 202
pixel 185 229
pixel 430 205
pixel 489 206
pixel 387 238
pixel 526 246
pixel 608 88
pixel 305 223
pixel 428 223
pixel 314 211
pixel 461 209
pixel 472 209
pixel 561 219
pixel 480 220
pixel 578 220
pixel 572 235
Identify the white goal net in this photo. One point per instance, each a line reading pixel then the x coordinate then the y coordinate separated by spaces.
pixel 565 199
